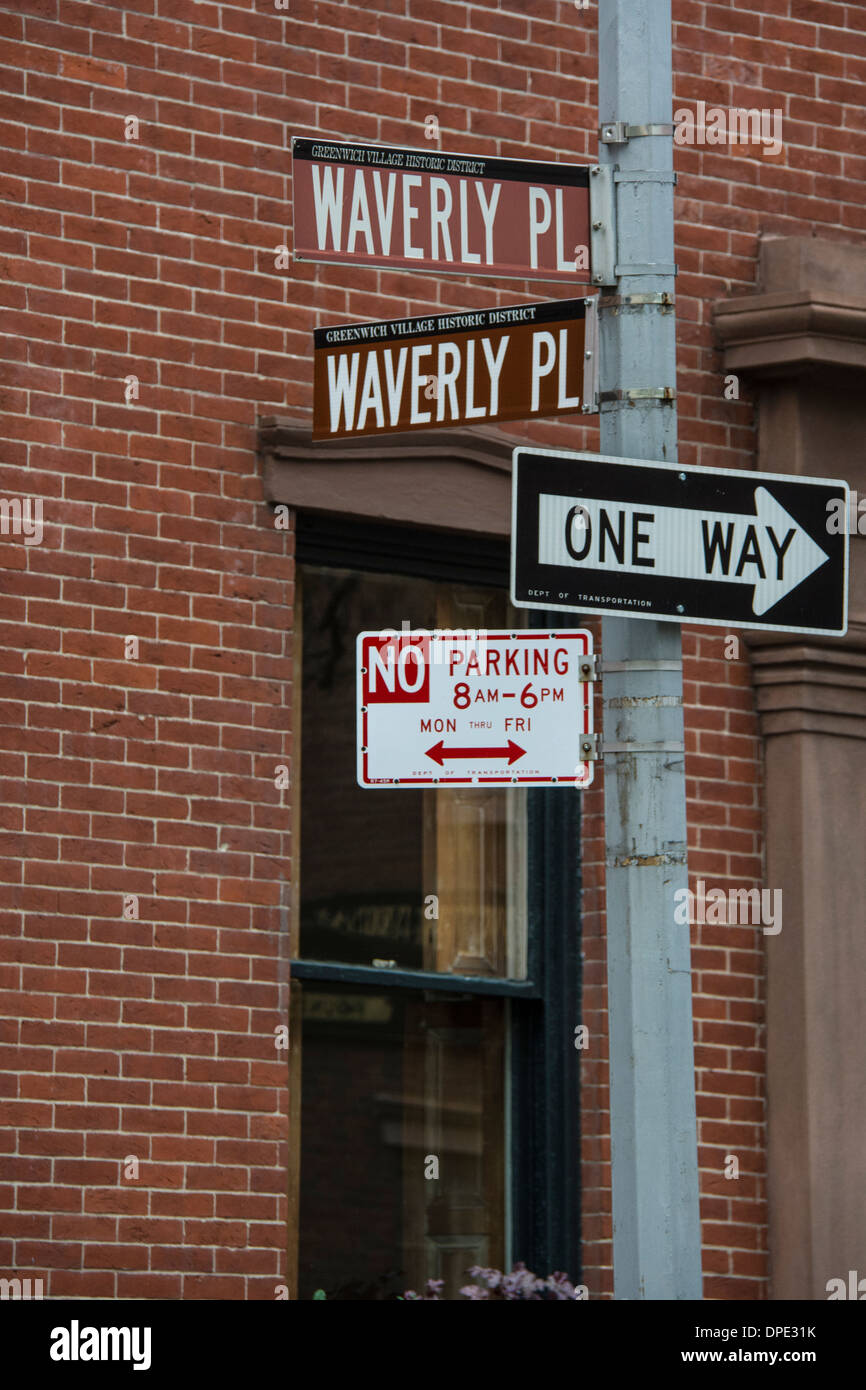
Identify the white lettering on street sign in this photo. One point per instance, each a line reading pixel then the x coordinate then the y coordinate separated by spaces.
pixel 465 708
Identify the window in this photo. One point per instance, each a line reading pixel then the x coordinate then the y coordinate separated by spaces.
pixel 427 1046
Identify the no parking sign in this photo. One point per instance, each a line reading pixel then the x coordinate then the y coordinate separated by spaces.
pixel 475 708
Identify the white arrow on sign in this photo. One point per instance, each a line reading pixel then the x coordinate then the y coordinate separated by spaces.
pixel 768 549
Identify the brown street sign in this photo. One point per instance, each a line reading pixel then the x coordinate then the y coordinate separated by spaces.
pixel 433 211
pixel 514 363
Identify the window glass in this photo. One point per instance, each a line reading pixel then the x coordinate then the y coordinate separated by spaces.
pixel 417 879
pixel 402 1155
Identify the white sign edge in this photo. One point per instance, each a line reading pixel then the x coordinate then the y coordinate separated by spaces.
pixel 576 630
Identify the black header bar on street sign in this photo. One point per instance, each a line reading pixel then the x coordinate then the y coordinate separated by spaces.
pixel 460 321
pixel 479 166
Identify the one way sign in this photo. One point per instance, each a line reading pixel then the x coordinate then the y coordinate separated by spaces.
pixel 657 540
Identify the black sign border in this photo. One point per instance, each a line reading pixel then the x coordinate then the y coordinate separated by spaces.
pixel 706 602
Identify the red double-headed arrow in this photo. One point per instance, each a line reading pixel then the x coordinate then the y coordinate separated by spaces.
pixel 439 752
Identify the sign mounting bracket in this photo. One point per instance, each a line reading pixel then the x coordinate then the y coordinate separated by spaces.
pixel 602 225
pixel 590 748
pixel 664 301
pixel 620 132
pixel 646 268
pixel 644 176
pixel 665 394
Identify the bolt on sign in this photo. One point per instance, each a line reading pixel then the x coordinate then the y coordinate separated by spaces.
pixel 725 547
pixel 474 708
pixel 456 369
pixel 433 211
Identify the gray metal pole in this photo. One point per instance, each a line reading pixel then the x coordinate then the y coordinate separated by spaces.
pixel 656 1225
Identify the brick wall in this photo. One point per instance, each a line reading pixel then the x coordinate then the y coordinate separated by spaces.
pixel 154 257
pixel 150 1038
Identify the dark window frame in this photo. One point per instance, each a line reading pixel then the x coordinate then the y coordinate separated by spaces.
pixel 545 1008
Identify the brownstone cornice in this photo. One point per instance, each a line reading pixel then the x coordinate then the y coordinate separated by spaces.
pixel 791 331
pixel 451 479
pixel 289 440
pixel 809 685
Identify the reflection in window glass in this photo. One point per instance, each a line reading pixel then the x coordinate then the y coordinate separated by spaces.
pixel 429 880
pixel 402 1154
